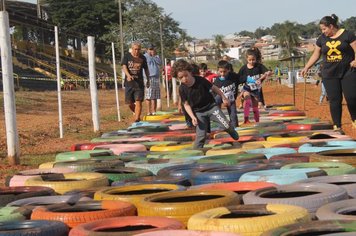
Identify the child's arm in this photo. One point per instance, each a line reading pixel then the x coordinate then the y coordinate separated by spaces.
pixel 189 110
pixel 221 94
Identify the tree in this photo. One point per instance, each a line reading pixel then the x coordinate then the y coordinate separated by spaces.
pixel 82 18
pixel 350 24
pixel 220 45
pixel 288 36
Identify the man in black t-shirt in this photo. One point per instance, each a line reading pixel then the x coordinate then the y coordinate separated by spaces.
pixel 132 65
pixel 199 103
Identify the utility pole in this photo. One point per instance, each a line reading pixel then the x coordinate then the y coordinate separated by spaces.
pixel 121 33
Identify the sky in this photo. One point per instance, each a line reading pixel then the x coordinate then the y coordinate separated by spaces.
pixel 205 18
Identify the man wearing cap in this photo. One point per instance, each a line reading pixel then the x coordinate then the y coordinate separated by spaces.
pixel 153 92
pixel 133 64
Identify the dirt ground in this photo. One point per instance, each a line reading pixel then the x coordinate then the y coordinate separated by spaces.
pixel 37 118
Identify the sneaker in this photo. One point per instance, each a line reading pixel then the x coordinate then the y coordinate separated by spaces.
pixel 138 120
pixel 338 129
pixel 234 135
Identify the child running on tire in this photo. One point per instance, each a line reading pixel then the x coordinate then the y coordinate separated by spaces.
pixel 253 73
pixel 228 83
pixel 195 92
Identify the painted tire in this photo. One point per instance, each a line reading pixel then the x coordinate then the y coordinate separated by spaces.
pixel 122 173
pixel 237 187
pixel 326 227
pixel 181 205
pixel 346 156
pixel 70 181
pixel 331 168
pixel 154 165
pixel 148 145
pixel 89 165
pixel 224 151
pixel 310 196
pixel 117 149
pixel 156 117
pixel 337 210
pixel 326 146
pixel 320 126
pixel 154 180
pixel 169 148
pixel 32 202
pixel 232 159
pixel 83 212
pixel 186 170
pixel 269 152
pixel 291 139
pixel 175 154
pixel 224 174
pixel 248 219
pixel 281 177
pixel 295 157
pixel 287 113
pixel 135 193
pixel 286 108
pixel 79 155
pixel 348 182
pixel 128 225
pixel 10 194
pixel 12 214
pixel 33 228
pixel 20 178
pixel 185 233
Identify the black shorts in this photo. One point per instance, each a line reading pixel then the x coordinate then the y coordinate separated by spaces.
pixel 133 94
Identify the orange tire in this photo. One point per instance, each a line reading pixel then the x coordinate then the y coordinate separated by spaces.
pixel 83 211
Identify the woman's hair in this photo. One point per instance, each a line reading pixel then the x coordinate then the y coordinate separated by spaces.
pixel 254 51
pixel 330 20
pixel 181 65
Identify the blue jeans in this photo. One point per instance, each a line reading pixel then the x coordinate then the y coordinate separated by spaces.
pixel 231 109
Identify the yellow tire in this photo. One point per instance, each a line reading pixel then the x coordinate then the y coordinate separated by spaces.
pixel 294 139
pixel 286 108
pixel 182 205
pixel 134 193
pixel 47 165
pixel 171 147
pixel 251 220
pixel 288 118
pixel 252 145
pixel 156 117
pixel 71 181
pixel 217 151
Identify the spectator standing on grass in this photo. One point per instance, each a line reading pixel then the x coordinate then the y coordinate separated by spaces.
pixel 133 64
pixel 278 74
pixel 167 69
pixel 153 92
pixel 199 102
pixel 228 83
pixel 337 48
pixel 253 73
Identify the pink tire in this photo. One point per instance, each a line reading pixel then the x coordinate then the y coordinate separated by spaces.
pixel 20 178
pixel 117 149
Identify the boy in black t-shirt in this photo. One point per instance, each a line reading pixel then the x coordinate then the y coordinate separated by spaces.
pixel 228 83
pixel 199 102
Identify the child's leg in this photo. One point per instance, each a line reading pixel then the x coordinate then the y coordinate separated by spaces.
pixel 200 130
pixel 256 112
pixel 247 106
pixel 233 114
pixel 219 117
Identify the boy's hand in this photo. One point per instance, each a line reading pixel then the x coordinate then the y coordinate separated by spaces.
pixel 225 101
pixel 180 110
pixel 194 121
